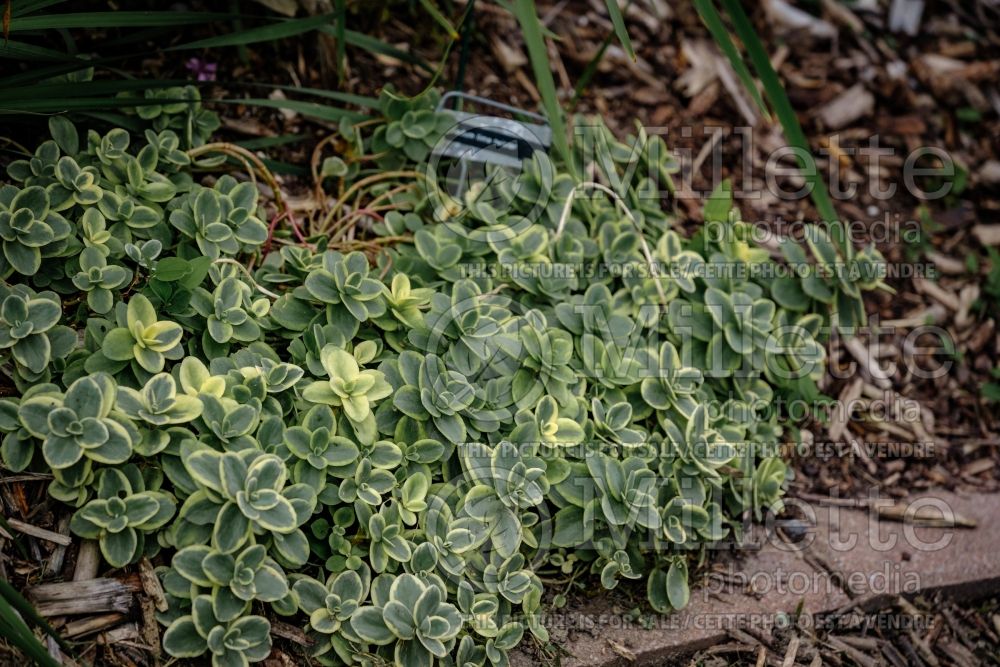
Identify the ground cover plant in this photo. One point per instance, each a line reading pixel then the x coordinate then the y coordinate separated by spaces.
pixel 387 424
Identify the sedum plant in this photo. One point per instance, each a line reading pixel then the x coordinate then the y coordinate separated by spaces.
pixel 30 228
pixel 393 429
pixel 121 515
pixel 144 338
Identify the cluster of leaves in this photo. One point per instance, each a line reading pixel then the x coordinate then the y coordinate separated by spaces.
pixel 390 455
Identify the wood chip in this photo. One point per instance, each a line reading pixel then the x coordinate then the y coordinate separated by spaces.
pixel 621 650
pixel 700 56
pixel 863 355
pixel 979 466
pixel 793 19
pixel 151 584
pixel 510 58
pixel 89 596
pixel 841 415
pixel 58 557
pixel 290 632
pixel 946 264
pixel 987 234
pixel 85 626
pixel 792 652
pixel 932 517
pixel 852 104
pixel 122 633
pixel 936 292
pixel 40 533
pixel 851 652
pixel 904 16
pixel 990 172
pixel 88 559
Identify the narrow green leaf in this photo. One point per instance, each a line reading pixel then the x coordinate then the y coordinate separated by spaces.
pixel 15 631
pixel 321 111
pixel 340 29
pixel 440 18
pixel 114 20
pixel 527 16
pixel 789 122
pixel 266 33
pixel 17 601
pixel 23 7
pixel 589 71
pixel 618 21
pixel 710 16
pixel 22 51
pixel 373 45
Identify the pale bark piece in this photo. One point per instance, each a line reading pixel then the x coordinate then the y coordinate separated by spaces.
pixel 987 234
pixel 847 107
pixel 90 596
pixel 88 559
pixel 40 533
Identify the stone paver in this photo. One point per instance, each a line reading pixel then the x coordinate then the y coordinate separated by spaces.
pixel 847 556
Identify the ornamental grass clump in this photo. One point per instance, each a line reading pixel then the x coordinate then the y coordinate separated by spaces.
pixel 391 438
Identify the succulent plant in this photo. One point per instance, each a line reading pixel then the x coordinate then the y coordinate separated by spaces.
pixel 144 338
pixel 246 639
pixel 221 220
pixel 233 579
pixel 120 516
pixel 352 389
pixel 343 281
pixel 99 280
pixel 30 229
pixel 414 616
pixel 231 312
pixel 28 324
pixel 79 423
pixel 158 403
pixel 317 446
pixel 395 447
pixel 244 493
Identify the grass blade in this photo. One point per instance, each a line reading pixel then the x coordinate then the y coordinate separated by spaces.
pixel 17 632
pixel 531 27
pixel 440 18
pixel 618 21
pixel 339 32
pixel 18 602
pixel 266 33
pixel 22 51
pixel 320 111
pixel 374 45
pixel 114 20
pixel 789 122
pixel 712 20
pixel 23 7
pixel 346 98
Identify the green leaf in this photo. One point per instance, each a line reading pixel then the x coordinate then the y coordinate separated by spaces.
pixel 232 529
pixel 33 352
pixel 710 16
pixel 789 122
pixel 65 134
pixel 115 19
pixel 182 639
pixel 677 584
pixel 531 28
pixel 615 12
pixel 268 33
pixel 119 548
pixel 367 622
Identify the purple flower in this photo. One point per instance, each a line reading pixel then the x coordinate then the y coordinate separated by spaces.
pixel 205 71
